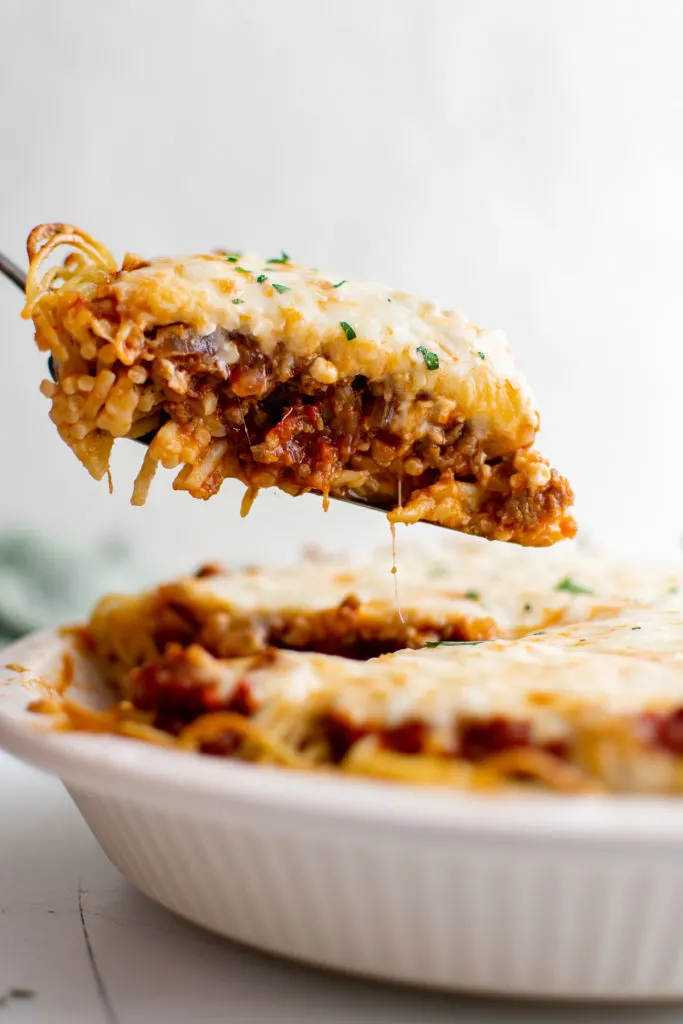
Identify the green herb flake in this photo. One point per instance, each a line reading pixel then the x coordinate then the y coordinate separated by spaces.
pixel 388 300
pixel 281 288
pixel 472 595
pixel 282 258
pixel 237 302
pixel 673 590
pixel 572 588
pixel 261 278
pixel 339 283
pixel 231 259
pixel 636 627
pixel 348 330
pixel 453 643
pixel 431 359
pixel 242 270
pixel 527 607
pixel 481 354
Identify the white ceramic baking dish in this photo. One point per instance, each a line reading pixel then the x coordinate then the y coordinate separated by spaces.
pixel 537 896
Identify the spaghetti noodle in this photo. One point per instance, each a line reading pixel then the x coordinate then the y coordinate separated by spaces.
pixel 236 665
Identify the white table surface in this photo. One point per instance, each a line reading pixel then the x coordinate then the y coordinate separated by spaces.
pixel 91 949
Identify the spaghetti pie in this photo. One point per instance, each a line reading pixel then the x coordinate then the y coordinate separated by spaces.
pixel 277 375
pixel 573 682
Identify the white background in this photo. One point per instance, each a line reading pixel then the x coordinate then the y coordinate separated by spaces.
pixel 522 160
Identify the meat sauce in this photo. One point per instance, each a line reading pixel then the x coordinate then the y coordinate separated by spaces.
pixel 167 688
pixel 473 740
pixel 347 630
pixel 170 690
pixel 664 732
pixel 284 427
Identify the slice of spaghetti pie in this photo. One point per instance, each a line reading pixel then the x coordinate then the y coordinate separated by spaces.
pixel 277 375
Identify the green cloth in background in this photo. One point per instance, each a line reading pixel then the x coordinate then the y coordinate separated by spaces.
pixel 44 583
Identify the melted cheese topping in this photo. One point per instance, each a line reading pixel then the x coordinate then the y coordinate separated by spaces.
pixel 187 352
pixel 612 668
pixel 616 650
pixel 521 589
pixel 307 313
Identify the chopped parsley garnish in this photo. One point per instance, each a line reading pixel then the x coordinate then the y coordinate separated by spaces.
pixel 636 627
pixel 281 288
pixel 231 258
pixel 282 258
pixel 673 590
pixel 481 354
pixel 243 270
pixel 572 588
pixel 453 643
pixel 527 607
pixel 472 595
pixel 348 330
pixel 261 278
pixel 541 632
pixel 431 359
pixel 339 283
pixel 237 302
pixel 388 300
